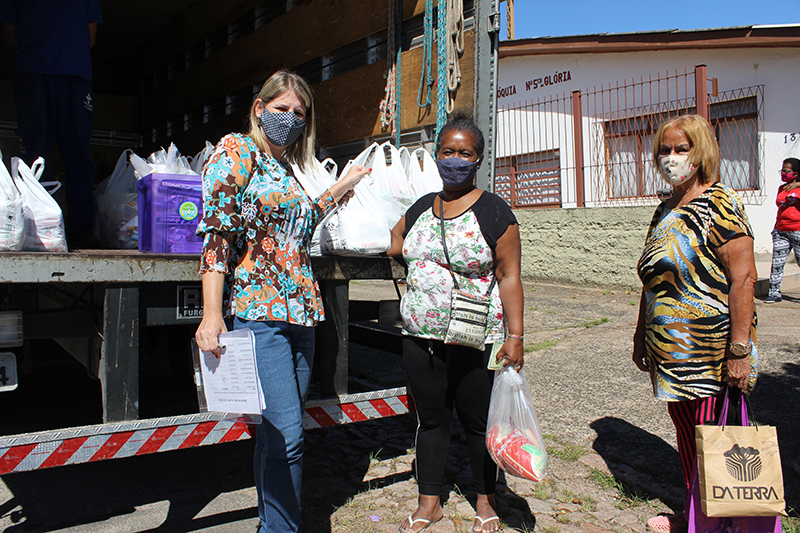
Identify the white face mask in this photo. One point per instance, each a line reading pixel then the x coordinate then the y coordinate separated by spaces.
pixel 676 169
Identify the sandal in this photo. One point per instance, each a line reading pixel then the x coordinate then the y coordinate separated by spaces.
pixel 483 523
pixel 668 524
pixel 412 521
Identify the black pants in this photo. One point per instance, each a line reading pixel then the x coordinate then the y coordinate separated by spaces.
pixel 442 377
pixel 60 108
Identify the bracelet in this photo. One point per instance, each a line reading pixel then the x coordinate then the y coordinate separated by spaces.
pixel 518 337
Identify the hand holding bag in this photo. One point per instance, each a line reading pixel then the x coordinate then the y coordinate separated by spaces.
pixel 513 437
pixel 737 485
pixel 468 313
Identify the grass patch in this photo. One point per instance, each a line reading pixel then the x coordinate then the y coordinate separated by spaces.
pixel 587 503
pixel 567 452
pixel 533 309
pixel 549 312
pixel 539 346
pixel 563 518
pixel 551 529
pixel 627 495
pixel 592 323
pixel 633 302
pixel 791 523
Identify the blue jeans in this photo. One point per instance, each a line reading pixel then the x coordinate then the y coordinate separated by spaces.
pixel 285 355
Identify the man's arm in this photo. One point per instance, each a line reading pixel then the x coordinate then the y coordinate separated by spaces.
pixel 92 33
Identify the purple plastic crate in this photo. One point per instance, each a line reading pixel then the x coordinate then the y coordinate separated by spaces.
pixel 170 208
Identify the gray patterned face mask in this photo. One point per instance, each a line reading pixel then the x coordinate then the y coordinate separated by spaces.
pixel 282 129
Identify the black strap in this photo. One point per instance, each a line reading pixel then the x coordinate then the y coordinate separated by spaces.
pixel 447 256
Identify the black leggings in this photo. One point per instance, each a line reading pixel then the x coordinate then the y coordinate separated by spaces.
pixel 441 377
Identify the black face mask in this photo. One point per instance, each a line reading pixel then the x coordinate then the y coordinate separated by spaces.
pixel 282 129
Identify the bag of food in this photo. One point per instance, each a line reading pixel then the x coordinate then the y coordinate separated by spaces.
pixel 44 220
pixel 422 173
pixel 316 179
pixel 116 220
pixel 12 218
pixel 513 437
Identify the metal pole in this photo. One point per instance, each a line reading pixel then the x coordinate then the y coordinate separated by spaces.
pixel 487 38
pixel 577 132
pixel 700 91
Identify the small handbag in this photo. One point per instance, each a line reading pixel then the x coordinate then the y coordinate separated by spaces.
pixel 468 313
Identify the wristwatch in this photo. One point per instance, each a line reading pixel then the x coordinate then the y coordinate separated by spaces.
pixel 740 350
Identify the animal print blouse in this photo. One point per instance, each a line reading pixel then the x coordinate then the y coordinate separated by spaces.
pixel 686 294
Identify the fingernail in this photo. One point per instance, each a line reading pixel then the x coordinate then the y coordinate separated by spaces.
pixel 369 169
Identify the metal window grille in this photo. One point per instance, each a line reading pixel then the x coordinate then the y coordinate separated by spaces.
pixel 595 148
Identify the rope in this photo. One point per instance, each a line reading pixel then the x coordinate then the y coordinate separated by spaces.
pixel 388 106
pixel 426 77
pixel 441 70
pixel 455 48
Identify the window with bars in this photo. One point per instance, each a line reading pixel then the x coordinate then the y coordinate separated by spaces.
pixel 629 141
pixel 529 180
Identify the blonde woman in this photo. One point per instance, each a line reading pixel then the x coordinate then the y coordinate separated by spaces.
pixel 696 332
pixel 256 274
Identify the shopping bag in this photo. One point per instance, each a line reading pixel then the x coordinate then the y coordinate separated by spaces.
pixel 423 173
pixel 387 181
pixel 513 437
pixel 44 220
pixel 199 160
pixel 739 468
pixel 12 218
pixel 315 179
pixel 357 228
pixel 116 207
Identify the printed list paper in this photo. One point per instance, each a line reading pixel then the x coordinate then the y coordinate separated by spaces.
pixel 230 381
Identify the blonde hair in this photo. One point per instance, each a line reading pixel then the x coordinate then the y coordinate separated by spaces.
pixel 704 149
pixel 302 150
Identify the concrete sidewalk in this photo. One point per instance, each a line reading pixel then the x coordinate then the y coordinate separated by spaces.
pixel 791 275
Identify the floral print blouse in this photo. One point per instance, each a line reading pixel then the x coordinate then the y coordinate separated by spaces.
pixel 257 225
pixel 471 238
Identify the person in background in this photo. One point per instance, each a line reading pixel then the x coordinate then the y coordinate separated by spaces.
pixel 256 274
pixel 696 333
pixel 786 235
pixel 51 40
pixel 483 243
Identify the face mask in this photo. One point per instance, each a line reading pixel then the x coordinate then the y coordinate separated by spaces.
pixel 786 177
pixel 456 172
pixel 676 169
pixel 282 129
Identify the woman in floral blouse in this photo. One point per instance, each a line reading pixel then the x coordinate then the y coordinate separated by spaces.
pixel 483 243
pixel 256 272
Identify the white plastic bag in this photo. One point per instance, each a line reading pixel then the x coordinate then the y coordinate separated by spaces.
pixel 315 180
pixel 122 179
pixel 513 437
pixel 12 219
pixel 357 228
pixel 168 161
pixel 44 221
pixel 388 183
pixel 199 160
pixel 423 173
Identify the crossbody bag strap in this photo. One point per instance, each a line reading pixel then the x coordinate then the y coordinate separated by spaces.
pixel 447 256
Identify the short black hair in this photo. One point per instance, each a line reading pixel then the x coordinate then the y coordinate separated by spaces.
pixel 794 162
pixel 462 120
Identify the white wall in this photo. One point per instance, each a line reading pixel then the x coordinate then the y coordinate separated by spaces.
pixel 775 68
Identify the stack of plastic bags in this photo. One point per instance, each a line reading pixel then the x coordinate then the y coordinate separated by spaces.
pixel 363 225
pixel 31 218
